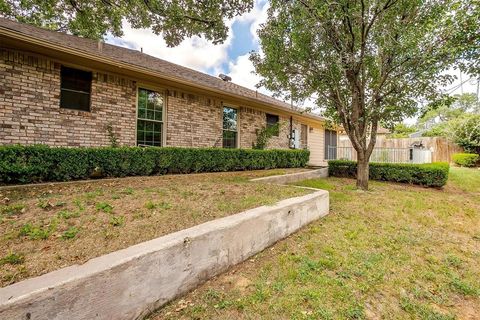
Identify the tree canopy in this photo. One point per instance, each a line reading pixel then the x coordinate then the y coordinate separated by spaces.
pixel 175 20
pixel 458 120
pixel 367 62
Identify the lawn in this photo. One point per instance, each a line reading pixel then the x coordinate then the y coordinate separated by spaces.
pixel 43 228
pixel 395 252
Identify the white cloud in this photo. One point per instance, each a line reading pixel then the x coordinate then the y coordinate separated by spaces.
pixel 242 73
pixel 257 16
pixel 196 53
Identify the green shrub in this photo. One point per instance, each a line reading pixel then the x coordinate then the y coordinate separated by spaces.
pixel 428 174
pixel 465 159
pixel 39 163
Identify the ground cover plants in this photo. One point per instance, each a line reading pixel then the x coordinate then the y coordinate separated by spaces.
pixel 46 227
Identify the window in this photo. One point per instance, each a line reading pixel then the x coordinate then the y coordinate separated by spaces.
pixel 229 127
pixel 272 121
pixel 149 118
pixel 75 87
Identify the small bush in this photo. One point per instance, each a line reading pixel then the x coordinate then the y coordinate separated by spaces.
pixel 465 159
pixel 429 174
pixel 39 163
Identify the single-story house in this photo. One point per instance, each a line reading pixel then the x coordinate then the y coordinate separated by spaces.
pixel 63 90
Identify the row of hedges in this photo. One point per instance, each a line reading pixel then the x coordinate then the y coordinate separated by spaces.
pixel 429 174
pixel 39 163
pixel 465 159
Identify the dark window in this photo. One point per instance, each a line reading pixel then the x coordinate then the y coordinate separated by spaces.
pixel 75 89
pixel 272 121
pixel 229 127
pixel 149 118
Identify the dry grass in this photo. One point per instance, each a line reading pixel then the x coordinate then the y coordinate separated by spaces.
pixel 395 252
pixel 47 227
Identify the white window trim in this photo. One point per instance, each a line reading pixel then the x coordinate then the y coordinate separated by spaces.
pixel 236 107
pixel 164 112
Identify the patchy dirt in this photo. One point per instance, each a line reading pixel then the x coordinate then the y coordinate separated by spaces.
pixel 50 226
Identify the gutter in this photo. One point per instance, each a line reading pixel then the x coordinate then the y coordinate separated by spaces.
pixel 123 65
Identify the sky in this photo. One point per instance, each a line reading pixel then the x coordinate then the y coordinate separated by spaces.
pixel 231 57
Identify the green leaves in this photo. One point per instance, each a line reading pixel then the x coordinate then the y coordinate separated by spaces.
pixel 430 174
pixel 38 163
pixel 175 20
pixel 365 62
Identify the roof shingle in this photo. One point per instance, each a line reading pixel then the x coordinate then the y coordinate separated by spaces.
pixel 136 58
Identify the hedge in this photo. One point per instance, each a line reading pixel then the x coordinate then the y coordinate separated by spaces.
pixel 429 174
pixel 465 159
pixel 40 163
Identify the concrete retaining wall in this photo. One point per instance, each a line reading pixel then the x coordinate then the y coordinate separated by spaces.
pixel 294 177
pixel 130 283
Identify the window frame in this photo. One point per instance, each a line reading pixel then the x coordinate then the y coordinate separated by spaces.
pixel 62 89
pixel 237 131
pixel 267 115
pixel 164 111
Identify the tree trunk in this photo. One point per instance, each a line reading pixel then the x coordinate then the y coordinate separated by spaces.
pixel 362 173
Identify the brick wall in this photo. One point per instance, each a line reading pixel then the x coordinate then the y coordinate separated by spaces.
pixel 252 120
pixel 30 110
pixel 193 121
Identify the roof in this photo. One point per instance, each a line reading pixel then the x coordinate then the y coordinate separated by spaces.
pixel 135 58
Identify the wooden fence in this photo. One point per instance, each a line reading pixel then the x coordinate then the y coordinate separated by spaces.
pixel 442 149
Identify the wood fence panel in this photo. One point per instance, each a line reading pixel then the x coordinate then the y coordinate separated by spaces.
pixel 442 148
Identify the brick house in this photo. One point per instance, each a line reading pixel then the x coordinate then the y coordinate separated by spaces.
pixel 64 90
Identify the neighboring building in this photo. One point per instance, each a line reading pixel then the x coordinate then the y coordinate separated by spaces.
pixel 63 90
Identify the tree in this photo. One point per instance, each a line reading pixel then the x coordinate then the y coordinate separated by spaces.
pixel 465 132
pixel 175 20
pixel 467 42
pixel 443 115
pixel 367 61
pixel 401 130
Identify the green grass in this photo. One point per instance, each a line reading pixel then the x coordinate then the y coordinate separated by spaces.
pixel 12 209
pixel 465 178
pixel 394 252
pixel 104 206
pixel 70 233
pixel 12 258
